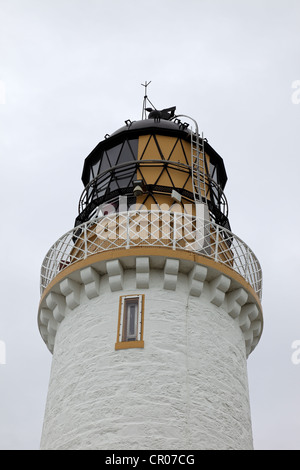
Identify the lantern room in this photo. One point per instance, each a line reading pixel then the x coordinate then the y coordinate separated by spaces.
pixel 148 163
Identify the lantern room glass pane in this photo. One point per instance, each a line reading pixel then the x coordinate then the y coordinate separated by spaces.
pixel 213 172
pixel 113 154
pixel 105 163
pixel 127 154
pixel 95 168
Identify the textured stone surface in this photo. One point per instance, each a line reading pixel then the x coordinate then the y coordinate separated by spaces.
pixel 186 389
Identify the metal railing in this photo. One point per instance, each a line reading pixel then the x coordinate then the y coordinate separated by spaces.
pixel 152 229
pixel 117 180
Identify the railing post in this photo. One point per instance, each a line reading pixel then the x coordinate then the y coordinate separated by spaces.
pixel 85 242
pixel 174 231
pixel 127 233
pixel 55 260
pixel 217 244
pixel 247 263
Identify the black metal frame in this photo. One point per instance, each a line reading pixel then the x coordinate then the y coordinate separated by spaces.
pixel 106 188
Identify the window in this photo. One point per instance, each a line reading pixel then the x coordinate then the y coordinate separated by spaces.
pixel 131 322
pixel 213 172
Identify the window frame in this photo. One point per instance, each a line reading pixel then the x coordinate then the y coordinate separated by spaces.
pixel 123 342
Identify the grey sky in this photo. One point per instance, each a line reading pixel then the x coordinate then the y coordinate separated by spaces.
pixel 72 71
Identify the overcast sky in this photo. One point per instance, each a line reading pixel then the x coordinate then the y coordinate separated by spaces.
pixel 70 72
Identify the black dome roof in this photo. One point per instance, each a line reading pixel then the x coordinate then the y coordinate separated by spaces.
pixel 148 125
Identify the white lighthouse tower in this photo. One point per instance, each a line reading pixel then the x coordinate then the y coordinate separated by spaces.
pixel 150 305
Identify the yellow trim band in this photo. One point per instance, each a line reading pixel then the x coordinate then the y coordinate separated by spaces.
pixel 129 345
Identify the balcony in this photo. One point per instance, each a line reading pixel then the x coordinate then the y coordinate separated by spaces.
pixel 159 229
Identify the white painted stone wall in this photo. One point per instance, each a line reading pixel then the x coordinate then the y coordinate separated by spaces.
pixel 186 389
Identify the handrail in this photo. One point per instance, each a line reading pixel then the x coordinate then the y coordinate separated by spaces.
pixel 175 230
pixel 101 181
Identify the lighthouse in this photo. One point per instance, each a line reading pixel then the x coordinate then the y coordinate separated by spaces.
pixel 150 304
